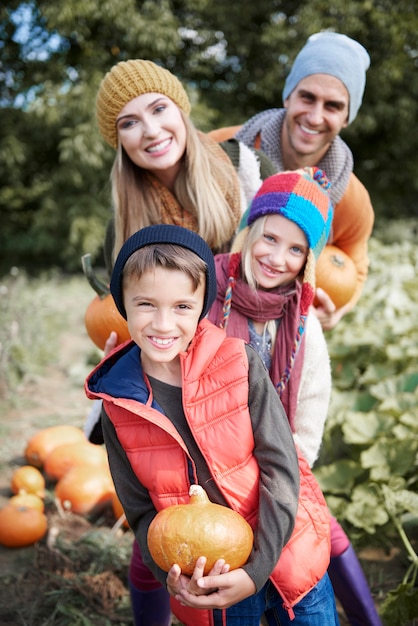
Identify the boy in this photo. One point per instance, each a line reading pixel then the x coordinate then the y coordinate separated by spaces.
pixel 185 404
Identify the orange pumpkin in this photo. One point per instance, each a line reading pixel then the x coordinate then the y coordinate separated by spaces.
pixel 102 316
pixel 21 526
pixel 336 274
pixel 44 441
pixel 28 500
pixel 85 489
pixel 181 533
pixel 68 455
pixel 28 479
pixel 118 509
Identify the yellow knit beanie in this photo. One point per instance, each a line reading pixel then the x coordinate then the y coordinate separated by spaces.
pixel 127 80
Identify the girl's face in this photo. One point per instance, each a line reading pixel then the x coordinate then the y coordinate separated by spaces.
pixel 163 311
pixel 153 134
pixel 279 255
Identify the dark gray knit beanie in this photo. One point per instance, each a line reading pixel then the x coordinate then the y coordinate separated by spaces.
pixel 164 233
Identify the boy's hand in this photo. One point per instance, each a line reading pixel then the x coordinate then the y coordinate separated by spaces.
pixel 176 581
pixel 216 591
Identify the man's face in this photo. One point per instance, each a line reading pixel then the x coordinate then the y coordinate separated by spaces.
pixel 317 110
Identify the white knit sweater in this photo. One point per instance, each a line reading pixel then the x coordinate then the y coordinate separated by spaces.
pixel 314 392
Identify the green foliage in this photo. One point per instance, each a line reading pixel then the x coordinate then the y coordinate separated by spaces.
pixel 368 462
pixel 33 313
pixel 233 59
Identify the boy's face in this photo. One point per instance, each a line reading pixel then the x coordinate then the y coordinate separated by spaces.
pixel 163 311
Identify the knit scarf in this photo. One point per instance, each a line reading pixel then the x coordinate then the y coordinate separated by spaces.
pixel 172 212
pixel 337 162
pixel 262 306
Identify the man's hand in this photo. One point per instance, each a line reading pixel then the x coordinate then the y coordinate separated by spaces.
pixel 326 311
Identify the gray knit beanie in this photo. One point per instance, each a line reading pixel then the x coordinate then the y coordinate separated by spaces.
pixel 160 234
pixel 337 55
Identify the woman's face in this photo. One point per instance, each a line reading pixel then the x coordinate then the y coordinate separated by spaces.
pixel 153 134
pixel 279 255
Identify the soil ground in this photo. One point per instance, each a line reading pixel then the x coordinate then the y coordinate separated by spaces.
pixel 30 575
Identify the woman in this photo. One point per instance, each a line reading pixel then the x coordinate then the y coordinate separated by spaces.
pixel 165 170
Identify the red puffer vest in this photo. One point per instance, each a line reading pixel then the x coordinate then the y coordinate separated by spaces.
pixel 212 364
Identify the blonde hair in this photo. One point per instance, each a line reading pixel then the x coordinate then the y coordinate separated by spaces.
pixel 245 241
pixel 206 187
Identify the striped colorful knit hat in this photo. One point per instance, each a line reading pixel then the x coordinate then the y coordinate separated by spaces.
pixel 302 197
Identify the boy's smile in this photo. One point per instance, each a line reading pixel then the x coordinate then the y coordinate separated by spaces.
pixel 163 312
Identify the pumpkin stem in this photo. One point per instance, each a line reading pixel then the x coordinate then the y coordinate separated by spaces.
pixel 337 260
pixel 98 285
pixel 198 495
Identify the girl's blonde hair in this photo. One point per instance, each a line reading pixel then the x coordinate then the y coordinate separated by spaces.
pixel 248 238
pixel 204 188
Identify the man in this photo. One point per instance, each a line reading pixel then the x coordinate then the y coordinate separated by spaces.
pixel 322 95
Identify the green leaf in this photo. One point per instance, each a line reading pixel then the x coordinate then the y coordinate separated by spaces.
pixel 338 477
pixel 400 606
pixel 366 509
pixel 398 456
pixel 364 428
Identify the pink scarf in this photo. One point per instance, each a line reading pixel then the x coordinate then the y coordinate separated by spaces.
pixel 261 306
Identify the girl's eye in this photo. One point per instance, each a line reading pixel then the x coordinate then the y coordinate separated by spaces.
pixel 297 250
pixel 268 237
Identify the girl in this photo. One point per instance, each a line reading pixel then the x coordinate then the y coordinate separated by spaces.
pixel 264 296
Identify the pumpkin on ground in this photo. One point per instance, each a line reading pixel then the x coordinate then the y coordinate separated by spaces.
pixel 68 455
pixel 29 500
pixel 45 440
pixel 336 274
pixel 183 532
pixel 101 316
pixel 28 479
pixel 85 489
pixel 21 526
